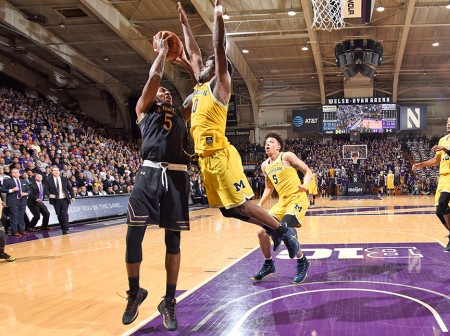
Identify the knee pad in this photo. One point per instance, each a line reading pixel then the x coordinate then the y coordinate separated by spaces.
pixel 443 203
pixel 172 240
pixel 233 213
pixel 440 214
pixel 135 236
pixel 290 221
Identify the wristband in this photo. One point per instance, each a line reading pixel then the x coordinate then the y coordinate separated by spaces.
pixel 218 8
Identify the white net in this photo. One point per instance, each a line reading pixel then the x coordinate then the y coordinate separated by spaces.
pixel 328 14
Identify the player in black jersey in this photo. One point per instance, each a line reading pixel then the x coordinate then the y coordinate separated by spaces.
pixel 160 195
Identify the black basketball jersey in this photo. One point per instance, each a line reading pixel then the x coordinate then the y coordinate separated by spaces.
pixel 164 135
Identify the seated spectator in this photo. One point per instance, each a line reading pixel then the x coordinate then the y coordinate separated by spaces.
pixel 110 191
pixel 82 192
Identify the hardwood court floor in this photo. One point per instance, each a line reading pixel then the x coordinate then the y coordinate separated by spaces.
pixel 72 285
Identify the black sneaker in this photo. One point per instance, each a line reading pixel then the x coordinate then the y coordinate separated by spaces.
pixel 447 248
pixel 276 240
pixel 291 242
pixel 167 310
pixel 265 270
pixel 302 271
pixel 7 257
pixel 134 301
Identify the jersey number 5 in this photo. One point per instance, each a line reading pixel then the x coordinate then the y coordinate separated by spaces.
pixel 168 123
pixel 275 180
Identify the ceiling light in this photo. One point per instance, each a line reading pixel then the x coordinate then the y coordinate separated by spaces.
pixel 305 47
pixel 245 51
pixel 106 58
pixel 226 16
pixel 448 6
pixel 62 25
pixel 380 7
pixel 292 12
pixel 435 43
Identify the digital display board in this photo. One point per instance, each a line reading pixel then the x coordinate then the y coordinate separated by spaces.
pixel 364 118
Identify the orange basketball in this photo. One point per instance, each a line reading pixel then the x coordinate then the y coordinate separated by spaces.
pixel 175 45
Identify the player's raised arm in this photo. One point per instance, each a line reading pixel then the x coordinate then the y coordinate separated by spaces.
pixel 222 88
pixel 186 108
pixel 192 49
pixel 156 72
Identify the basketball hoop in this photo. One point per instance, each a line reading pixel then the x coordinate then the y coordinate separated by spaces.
pixel 328 14
pixel 355 157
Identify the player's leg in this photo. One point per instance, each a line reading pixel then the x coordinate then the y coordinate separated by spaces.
pixel 136 294
pixel 173 258
pixel 3 254
pixel 143 209
pixel 294 216
pixel 443 213
pixel 174 218
pixel 268 267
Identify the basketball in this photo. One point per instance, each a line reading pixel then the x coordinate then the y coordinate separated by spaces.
pixel 175 45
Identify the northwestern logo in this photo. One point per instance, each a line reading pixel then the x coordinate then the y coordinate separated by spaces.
pixel 355 189
pixel 239 185
pixel 413 117
pixel 297 121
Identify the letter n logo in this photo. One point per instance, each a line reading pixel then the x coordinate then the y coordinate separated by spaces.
pixel 413 118
pixel 239 185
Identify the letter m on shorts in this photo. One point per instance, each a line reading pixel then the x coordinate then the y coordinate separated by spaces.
pixel 239 185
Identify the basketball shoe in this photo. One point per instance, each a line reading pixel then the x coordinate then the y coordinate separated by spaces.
pixel 447 248
pixel 167 310
pixel 7 257
pixel 303 266
pixel 276 240
pixel 134 301
pixel 290 240
pixel 267 269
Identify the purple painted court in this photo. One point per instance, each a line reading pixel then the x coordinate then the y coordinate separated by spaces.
pixel 353 289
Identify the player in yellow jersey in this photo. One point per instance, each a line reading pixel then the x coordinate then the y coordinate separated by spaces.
pixel 280 174
pixel 226 185
pixel 390 183
pixel 442 196
pixel 312 189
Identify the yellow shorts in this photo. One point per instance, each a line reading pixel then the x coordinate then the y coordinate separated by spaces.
pixel 312 189
pixel 224 179
pixel 295 204
pixel 443 185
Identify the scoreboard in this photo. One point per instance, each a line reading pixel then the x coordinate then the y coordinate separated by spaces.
pixel 364 118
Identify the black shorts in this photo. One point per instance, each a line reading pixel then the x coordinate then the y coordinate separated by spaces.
pixel 151 204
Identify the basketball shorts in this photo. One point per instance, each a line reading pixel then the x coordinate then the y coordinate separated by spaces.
pixel 224 179
pixel 312 189
pixel 295 204
pixel 443 186
pixel 151 204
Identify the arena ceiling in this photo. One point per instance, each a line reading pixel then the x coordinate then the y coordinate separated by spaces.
pixel 107 45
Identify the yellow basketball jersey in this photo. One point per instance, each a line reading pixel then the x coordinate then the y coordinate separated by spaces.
pixel 444 166
pixel 208 121
pixel 284 179
pixel 390 181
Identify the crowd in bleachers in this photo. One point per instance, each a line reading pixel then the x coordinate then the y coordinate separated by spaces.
pixel 335 173
pixel 36 134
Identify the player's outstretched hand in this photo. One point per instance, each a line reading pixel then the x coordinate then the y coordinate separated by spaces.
pixel 415 166
pixel 437 148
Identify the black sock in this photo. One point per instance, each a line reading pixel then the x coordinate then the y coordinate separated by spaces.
pixel 170 291
pixel 282 229
pixel 268 262
pixel 133 283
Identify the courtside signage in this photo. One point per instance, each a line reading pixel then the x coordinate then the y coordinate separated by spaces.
pixel 352 9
